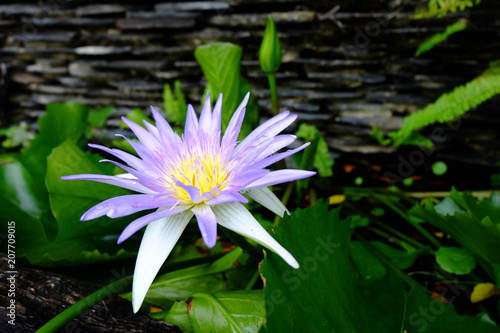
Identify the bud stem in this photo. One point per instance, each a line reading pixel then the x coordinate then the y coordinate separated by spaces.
pixel 274 93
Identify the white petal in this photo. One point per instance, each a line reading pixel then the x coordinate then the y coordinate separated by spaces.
pixel 236 217
pixel 268 199
pixel 157 242
pixel 126 175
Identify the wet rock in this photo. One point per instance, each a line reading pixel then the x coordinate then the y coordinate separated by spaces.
pixel 137 85
pixel 59 90
pixel 157 14
pixel 154 23
pixel 62 37
pixel 298 106
pixel 344 78
pixel 46 69
pixel 81 22
pixel 21 9
pixel 137 64
pixel 7 23
pixel 26 78
pixel 215 34
pixel 148 50
pixel 102 50
pixel 86 70
pixel 398 98
pixel 72 81
pixel 370 119
pixel 93 10
pixel 37 50
pixel 259 20
pixel 122 37
pixel 169 75
pixel 192 6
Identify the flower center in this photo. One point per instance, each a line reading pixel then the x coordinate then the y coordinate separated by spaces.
pixel 203 172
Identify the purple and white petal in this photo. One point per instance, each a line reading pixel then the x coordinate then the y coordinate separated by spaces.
pixel 280 176
pixel 278 157
pixel 130 159
pixel 227 196
pixel 192 191
pixel 146 138
pixel 234 127
pixel 158 241
pixel 126 205
pixel 207 224
pixel 163 127
pixel 206 116
pixel 244 178
pixel 128 184
pixel 191 127
pixel 237 218
pixel 141 222
pixel 268 129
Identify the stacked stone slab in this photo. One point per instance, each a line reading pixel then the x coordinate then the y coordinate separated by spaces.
pixel 347 65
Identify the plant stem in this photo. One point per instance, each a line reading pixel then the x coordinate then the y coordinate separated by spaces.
pixel 398 211
pixel 398 234
pixel 70 313
pixel 387 262
pixel 273 89
pixel 252 281
pixel 420 195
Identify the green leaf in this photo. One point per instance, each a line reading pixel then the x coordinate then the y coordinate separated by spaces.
pixel 24 201
pixel 16 135
pixel 379 135
pixel 235 311
pixel 439 37
pixel 442 7
pixel 306 163
pixel 97 118
pixel 368 266
pixel 70 199
pixel 479 208
pixel 402 259
pixel 427 315
pixel 63 121
pixel 449 107
pixel 322 160
pixel 220 63
pixel 455 260
pixel 384 299
pixel 178 315
pixel 439 168
pixel 321 295
pixel 473 229
pixel 448 207
pixel 357 221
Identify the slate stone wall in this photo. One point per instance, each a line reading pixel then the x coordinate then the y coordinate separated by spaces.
pixel 347 65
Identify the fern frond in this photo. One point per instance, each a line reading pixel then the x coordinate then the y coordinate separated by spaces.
pixel 452 105
pixel 439 37
pixel 440 8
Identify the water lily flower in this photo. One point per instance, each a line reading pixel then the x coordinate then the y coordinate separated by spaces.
pixel 197 174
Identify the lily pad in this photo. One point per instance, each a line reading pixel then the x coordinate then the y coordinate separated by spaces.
pixel 455 260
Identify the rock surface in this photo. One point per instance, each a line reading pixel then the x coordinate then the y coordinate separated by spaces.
pixel 350 63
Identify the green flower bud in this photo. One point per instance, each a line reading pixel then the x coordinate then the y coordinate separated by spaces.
pixel 270 49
